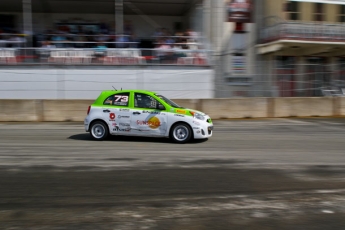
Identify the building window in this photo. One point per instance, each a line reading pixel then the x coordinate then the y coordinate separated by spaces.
pixel 285 62
pixel 319 12
pixel 341 16
pixel 293 9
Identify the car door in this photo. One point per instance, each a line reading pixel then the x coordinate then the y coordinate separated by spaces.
pixel 148 116
pixel 117 113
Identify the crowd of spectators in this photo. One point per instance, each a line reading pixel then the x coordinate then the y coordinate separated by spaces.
pixel 165 45
pixel 87 37
pixel 81 36
pixel 169 47
pixel 11 38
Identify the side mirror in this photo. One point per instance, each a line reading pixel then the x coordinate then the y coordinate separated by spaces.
pixel 161 107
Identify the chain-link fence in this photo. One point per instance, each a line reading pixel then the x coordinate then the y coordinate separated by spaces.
pixel 278 78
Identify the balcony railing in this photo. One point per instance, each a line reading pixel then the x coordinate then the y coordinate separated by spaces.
pixel 303 31
pixel 110 56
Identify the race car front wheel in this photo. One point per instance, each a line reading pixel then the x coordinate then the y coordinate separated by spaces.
pixel 181 133
pixel 99 130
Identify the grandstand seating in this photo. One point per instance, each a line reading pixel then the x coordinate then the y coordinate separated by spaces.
pixel 186 53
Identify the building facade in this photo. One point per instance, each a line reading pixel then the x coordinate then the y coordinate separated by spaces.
pixel 302 46
pixel 231 29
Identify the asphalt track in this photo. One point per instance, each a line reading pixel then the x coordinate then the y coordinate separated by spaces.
pixel 252 174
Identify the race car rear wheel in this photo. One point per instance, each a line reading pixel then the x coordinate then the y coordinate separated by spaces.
pixel 99 130
pixel 181 133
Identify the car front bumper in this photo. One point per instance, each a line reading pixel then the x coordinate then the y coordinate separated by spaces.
pixel 202 130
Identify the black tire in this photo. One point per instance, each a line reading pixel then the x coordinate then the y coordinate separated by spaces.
pixel 99 131
pixel 181 133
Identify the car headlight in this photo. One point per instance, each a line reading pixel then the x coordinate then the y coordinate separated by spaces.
pixel 199 116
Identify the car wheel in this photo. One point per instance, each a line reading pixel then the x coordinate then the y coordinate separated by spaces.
pixel 181 133
pixel 99 130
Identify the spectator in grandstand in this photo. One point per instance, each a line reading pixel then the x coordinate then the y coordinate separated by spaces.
pixel 102 38
pixel 2 41
pixel 57 38
pixel 164 51
pixel 134 41
pixel 104 28
pixel 17 40
pixel 44 52
pixel 178 35
pixel 100 51
pixel 122 41
pixel 80 40
pixel 158 33
pixel 90 39
pixel 179 47
pixel 169 40
pixel 47 45
pixel 192 44
pixel 191 39
pixel 191 34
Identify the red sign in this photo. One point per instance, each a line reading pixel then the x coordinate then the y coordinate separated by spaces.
pixel 112 116
pixel 240 11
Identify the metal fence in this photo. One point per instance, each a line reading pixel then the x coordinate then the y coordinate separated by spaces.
pixel 304 31
pixel 290 80
pixel 104 56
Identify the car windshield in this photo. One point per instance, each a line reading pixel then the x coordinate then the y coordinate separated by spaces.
pixel 168 101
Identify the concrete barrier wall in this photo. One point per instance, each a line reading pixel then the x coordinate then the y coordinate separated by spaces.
pixel 341 104
pixel 235 108
pixel 303 107
pixel 75 110
pixel 65 110
pixel 188 103
pixel 18 110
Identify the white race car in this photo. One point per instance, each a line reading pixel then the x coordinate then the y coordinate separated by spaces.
pixel 144 113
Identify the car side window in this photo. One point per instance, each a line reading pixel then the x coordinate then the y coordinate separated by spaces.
pixel 121 99
pixel 142 100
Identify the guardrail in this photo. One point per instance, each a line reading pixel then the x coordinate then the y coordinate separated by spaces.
pixel 104 56
pixel 304 31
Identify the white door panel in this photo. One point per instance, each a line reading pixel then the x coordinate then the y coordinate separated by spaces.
pixel 118 121
pixel 149 123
